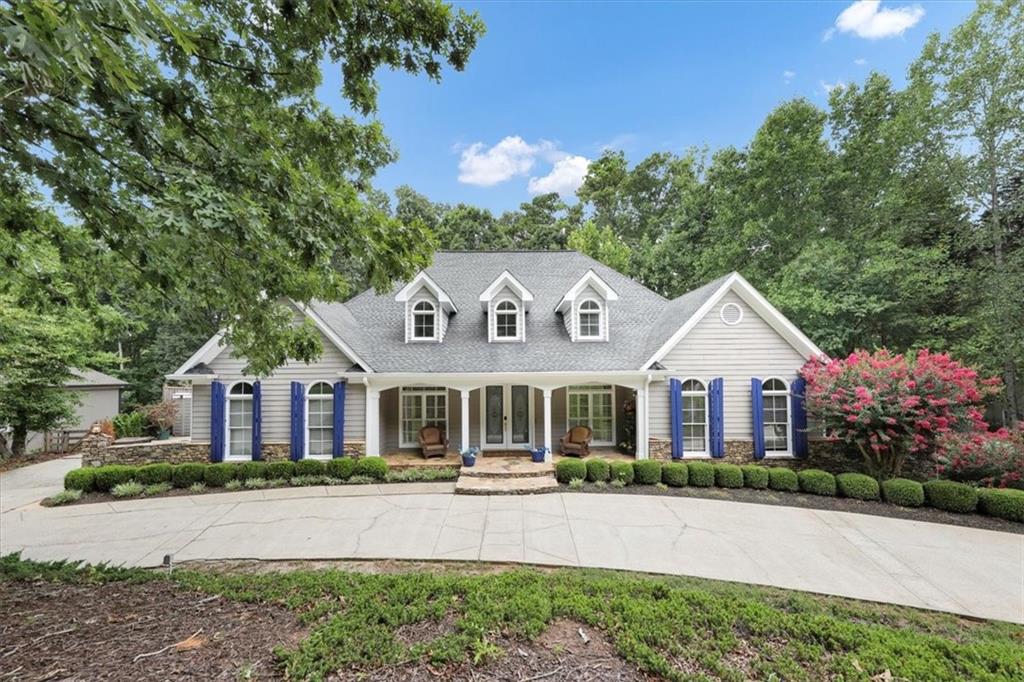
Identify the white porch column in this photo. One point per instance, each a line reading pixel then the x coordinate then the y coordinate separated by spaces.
pixel 641 423
pixel 372 422
pixel 464 417
pixel 547 424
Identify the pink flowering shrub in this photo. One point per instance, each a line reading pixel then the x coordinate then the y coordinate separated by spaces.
pixel 891 407
pixel 994 459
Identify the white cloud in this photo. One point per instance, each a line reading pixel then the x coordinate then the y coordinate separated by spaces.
pixel 860 62
pixel 512 156
pixel 867 19
pixel 829 87
pixel 565 177
pixel 787 75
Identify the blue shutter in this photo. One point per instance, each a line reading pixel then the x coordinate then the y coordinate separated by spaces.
pixel 675 392
pixel 298 420
pixel 217 400
pixel 717 418
pixel 257 421
pixel 338 446
pixel 757 406
pixel 799 388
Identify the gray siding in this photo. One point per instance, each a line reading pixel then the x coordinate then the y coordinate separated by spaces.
pixel 441 318
pixel 735 353
pixel 95 404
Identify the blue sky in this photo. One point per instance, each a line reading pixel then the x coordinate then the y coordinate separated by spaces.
pixel 551 84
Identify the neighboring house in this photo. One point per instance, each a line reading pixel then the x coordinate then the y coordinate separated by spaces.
pixel 508 349
pixel 99 397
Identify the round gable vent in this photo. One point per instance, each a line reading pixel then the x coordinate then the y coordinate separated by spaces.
pixel 731 313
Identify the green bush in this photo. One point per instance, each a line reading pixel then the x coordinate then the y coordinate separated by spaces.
pixel 247 470
pixel 597 470
pixel 622 472
pixel 151 474
pixel 80 479
pixel 1003 503
pixel 647 471
pixel 157 489
pixel 702 474
pixel 817 482
pixel 783 480
pixel 186 474
pixel 857 486
pixel 106 477
pixel 728 476
pixel 340 467
pixel 65 497
pixel 218 475
pixel 200 487
pixel 129 424
pixel 373 467
pixel 903 491
pixel 309 467
pixel 255 483
pixel 755 476
pixel 569 468
pixel 951 496
pixel 280 468
pixel 127 489
pixel 675 474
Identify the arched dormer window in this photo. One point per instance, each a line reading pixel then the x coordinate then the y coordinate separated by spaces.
pixel 506 321
pixel 589 323
pixel 695 417
pixel 238 444
pixel 424 320
pixel 775 416
pixel 320 420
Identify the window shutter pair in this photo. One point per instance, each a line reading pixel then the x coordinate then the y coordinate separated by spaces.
pixel 798 417
pixel 298 421
pixel 218 403
pixel 716 421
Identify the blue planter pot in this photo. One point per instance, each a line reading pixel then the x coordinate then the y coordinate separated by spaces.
pixel 468 460
pixel 537 455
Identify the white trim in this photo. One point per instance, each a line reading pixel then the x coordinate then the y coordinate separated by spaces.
pixel 226 455
pixel 330 396
pixel 492 323
pixel 592 279
pixel 706 452
pixel 590 390
pixel 333 337
pixel 436 325
pixel 788 452
pixel 207 352
pixel 730 305
pixel 506 279
pixel 423 280
pixel 435 390
pixel 506 418
pixel 761 306
pixel 602 320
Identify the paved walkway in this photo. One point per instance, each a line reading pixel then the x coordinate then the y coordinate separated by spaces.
pixel 963 570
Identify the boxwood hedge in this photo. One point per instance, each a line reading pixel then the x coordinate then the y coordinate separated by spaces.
pixel 218 475
pixel 1003 503
pixel 702 474
pixel 728 476
pixel 817 482
pixel 309 467
pixel 250 470
pixel 597 470
pixel 783 480
pixel 186 474
pixel 80 479
pixel 340 467
pixel 280 468
pixel 755 476
pixel 951 496
pixel 903 491
pixel 647 471
pixel 106 477
pixel 569 468
pixel 857 486
pixel 621 471
pixel 151 474
pixel 374 467
pixel 675 474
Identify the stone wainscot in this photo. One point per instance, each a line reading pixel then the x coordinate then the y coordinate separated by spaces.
pixel 824 454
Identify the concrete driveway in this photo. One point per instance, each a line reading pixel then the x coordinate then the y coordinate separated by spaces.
pixel 963 570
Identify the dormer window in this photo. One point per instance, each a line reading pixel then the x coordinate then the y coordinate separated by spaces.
pixel 427 309
pixel 506 302
pixel 506 321
pixel 590 319
pixel 424 321
pixel 585 308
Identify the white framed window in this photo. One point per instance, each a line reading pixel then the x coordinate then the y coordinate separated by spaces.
pixel 320 420
pixel 592 406
pixel 424 321
pixel 695 418
pixel 775 416
pixel 506 321
pixel 238 444
pixel 421 406
pixel 589 323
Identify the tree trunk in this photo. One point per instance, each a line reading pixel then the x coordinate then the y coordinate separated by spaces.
pixel 18 440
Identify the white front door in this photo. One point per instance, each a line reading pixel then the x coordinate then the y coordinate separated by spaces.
pixel 506 416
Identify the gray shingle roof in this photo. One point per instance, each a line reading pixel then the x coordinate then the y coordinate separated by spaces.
pixel 640 321
pixel 92 377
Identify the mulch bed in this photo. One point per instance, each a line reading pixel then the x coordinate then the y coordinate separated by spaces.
pixel 52 631
pixel 805 501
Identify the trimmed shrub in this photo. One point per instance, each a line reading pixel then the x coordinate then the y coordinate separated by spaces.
pixel 152 474
pixel 106 477
pixel 373 467
pixel 218 475
pixel 702 474
pixel 755 476
pixel 621 472
pixel 728 476
pixel 80 479
pixel 247 470
pixel 569 468
pixel 857 486
pixel 340 467
pixel 597 470
pixel 951 496
pixel 903 491
pixel 186 474
pixel 647 471
pixel 783 480
pixel 817 482
pixel 309 467
pixel 281 468
pixel 1003 503
pixel 675 474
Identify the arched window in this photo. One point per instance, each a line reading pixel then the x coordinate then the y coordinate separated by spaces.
pixel 590 319
pixel 776 415
pixel 695 418
pixel 424 317
pixel 506 320
pixel 239 412
pixel 320 420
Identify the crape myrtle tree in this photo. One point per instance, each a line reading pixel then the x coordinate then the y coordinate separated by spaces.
pixel 186 136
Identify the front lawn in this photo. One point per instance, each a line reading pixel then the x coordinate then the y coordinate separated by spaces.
pixel 405 622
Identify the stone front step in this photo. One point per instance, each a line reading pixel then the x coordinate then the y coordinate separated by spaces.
pixel 485 485
pixel 508 468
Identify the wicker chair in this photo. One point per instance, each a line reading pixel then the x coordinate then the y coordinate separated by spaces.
pixel 432 442
pixel 577 442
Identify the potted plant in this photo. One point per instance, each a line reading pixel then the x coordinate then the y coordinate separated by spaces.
pixel 469 456
pixel 161 415
pixel 538 454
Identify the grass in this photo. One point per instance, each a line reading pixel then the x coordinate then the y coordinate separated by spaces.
pixel 679 628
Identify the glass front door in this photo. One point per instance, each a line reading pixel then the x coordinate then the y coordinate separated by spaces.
pixel 494 414
pixel 507 416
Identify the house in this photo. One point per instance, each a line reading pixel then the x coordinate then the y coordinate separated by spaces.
pixel 98 397
pixel 504 350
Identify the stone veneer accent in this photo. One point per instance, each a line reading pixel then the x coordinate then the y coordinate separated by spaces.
pixel 824 454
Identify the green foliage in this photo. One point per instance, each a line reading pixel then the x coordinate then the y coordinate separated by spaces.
pixel 783 480
pixel 255 483
pixel 106 477
pixel 755 476
pixel 186 474
pixel 601 244
pixel 80 479
pixel 129 424
pixel 675 474
pixel 569 468
pixel 597 469
pixel 951 496
pixel 302 481
pixel 728 476
pixel 247 470
pixel 64 497
pixel 340 467
pixel 309 467
pixel 576 484
pixel 234 484
pixel 217 475
pixel 702 474
pixel 127 489
pixel 149 474
pixel 360 479
pixel 817 482
pixel 857 486
pixel 200 487
pixel 647 471
pixel 620 472
pixel 420 474
pixel 279 468
pixel 157 489
pixel 1003 503
pixel 903 491
pixel 375 468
